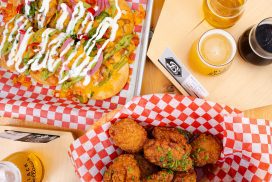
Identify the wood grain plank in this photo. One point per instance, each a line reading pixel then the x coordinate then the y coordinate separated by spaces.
pixel 160 84
pixel 244 85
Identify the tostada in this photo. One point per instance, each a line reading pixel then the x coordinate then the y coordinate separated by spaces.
pixel 84 47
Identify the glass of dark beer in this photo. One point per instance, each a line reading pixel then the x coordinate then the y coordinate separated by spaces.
pixel 255 45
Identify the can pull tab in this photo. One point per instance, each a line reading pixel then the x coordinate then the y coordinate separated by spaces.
pixel 181 74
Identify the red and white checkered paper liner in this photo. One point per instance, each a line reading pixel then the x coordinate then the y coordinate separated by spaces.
pixel 37 103
pixel 247 154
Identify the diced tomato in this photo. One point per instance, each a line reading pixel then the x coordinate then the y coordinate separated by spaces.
pixel 34 44
pixel 82 36
pixel 91 10
pixel 85 37
pixel 107 34
pixel 19 8
pixel 22 31
pixel 91 2
pixel 136 40
pixel 98 46
pixel 139 15
pixel 132 56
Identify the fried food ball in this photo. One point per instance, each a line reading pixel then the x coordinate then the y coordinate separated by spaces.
pixel 161 176
pixel 169 134
pixel 128 135
pixel 145 166
pixel 123 169
pixel 189 176
pixel 168 155
pixel 206 149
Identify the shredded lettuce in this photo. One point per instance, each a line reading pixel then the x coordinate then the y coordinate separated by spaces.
pixel 102 16
pixel 123 43
pixel 45 74
pixel 66 85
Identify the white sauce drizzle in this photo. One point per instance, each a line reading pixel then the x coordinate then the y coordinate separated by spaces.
pixel 43 45
pixel 52 57
pixel 67 48
pixel 85 22
pixel 64 65
pixel 88 28
pixel 63 17
pixel 13 50
pixel 15 45
pixel 22 49
pixel 27 7
pixel 53 60
pixel 41 17
pixel 5 34
pixel 49 61
pixel 85 66
pixel 78 13
pixel 16 27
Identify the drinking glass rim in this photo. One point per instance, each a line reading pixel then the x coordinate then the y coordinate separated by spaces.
pixel 239 7
pixel 250 43
pixel 221 32
pixel 264 20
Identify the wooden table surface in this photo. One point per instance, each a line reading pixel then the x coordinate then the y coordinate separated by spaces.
pixel 160 85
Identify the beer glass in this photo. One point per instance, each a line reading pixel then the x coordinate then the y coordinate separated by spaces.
pixel 223 13
pixel 213 53
pixel 255 44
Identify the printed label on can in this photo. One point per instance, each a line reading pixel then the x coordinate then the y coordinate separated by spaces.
pixel 181 74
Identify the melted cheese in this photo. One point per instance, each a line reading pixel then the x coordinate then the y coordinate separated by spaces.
pixel 80 61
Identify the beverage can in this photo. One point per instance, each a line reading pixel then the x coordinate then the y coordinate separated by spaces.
pixel 26 164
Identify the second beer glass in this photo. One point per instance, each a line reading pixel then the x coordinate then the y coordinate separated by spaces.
pixel 223 13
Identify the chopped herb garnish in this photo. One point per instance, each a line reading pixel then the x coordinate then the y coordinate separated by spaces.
pixel 92 32
pixel 27 72
pixel 74 36
pixel 159 148
pixel 101 16
pixel 161 159
pixel 169 171
pixel 198 150
pixel 123 43
pixel 129 169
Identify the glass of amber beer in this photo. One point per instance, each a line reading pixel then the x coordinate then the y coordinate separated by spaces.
pixel 213 53
pixel 223 13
